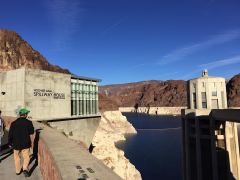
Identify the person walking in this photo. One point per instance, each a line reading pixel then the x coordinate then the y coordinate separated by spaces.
pixel 20 140
pixel 2 128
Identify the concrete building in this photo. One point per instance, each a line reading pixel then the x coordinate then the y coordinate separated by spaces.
pixel 66 102
pixel 47 94
pixel 210 144
pixel 207 92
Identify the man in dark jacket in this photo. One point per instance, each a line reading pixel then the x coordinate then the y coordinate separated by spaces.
pixel 19 138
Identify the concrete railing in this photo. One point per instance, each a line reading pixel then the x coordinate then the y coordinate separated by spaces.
pixel 60 158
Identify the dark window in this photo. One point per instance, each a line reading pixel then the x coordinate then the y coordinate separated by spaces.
pixel 71 107
pixel 194 101
pixel 204 100
pixel 204 105
pixel 214 93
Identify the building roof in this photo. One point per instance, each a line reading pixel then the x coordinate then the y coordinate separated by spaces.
pixel 206 76
pixel 73 76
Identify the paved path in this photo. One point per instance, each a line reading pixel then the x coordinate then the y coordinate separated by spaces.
pixel 7 169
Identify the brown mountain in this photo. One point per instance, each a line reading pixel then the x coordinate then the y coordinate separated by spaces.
pixel 148 93
pixel 159 93
pixel 233 91
pixel 106 104
pixel 16 53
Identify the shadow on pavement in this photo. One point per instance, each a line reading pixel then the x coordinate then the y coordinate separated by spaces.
pixel 34 157
pixel 5 152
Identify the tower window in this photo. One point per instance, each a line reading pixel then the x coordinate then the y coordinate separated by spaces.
pixel 194 86
pixel 204 100
pixel 194 101
pixel 214 93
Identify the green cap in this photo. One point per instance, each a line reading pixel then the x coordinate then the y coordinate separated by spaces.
pixel 23 111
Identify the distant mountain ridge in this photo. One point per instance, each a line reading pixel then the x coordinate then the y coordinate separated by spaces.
pixel 16 53
pixel 172 93
pixel 148 93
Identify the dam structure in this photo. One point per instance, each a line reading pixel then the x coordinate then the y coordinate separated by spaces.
pixel 62 107
pixel 209 132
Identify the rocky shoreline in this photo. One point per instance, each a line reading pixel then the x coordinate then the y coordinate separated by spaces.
pixel 112 128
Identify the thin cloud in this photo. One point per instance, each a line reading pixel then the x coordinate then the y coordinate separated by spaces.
pixel 191 73
pixel 220 63
pixel 213 65
pixel 65 17
pixel 179 54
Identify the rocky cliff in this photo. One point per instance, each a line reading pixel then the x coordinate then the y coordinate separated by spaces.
pixel 16 53
pixel 107 104
pixel 233 91
pixel 112 128
pixel 148 93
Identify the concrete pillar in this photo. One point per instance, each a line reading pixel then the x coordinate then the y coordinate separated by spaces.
pixel 198 149
pixel 187 154
pixel 233 148
pixel 213 150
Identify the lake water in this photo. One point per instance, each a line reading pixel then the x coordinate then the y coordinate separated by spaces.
pixel 156 149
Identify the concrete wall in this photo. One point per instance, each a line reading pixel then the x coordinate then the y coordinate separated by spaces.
pixel 81 129
pixel 12 84
pixel 155 110
pixel 47 94
pixel 232 143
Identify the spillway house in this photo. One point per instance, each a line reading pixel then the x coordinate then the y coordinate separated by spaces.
pixel 47 94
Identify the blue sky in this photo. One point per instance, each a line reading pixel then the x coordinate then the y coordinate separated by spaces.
pixel 123 41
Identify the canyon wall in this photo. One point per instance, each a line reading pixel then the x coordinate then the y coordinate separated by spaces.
pixel 112 128
pixel 148 93
pixel 106 104
pixel 16 53
pixel 233 91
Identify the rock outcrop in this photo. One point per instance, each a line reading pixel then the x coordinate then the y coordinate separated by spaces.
pixel 112 128
pixel 233 91
pixel 16 53
pixel 170 93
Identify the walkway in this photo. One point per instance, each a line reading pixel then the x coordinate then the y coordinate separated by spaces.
pixel 7 169
pixel 59 158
